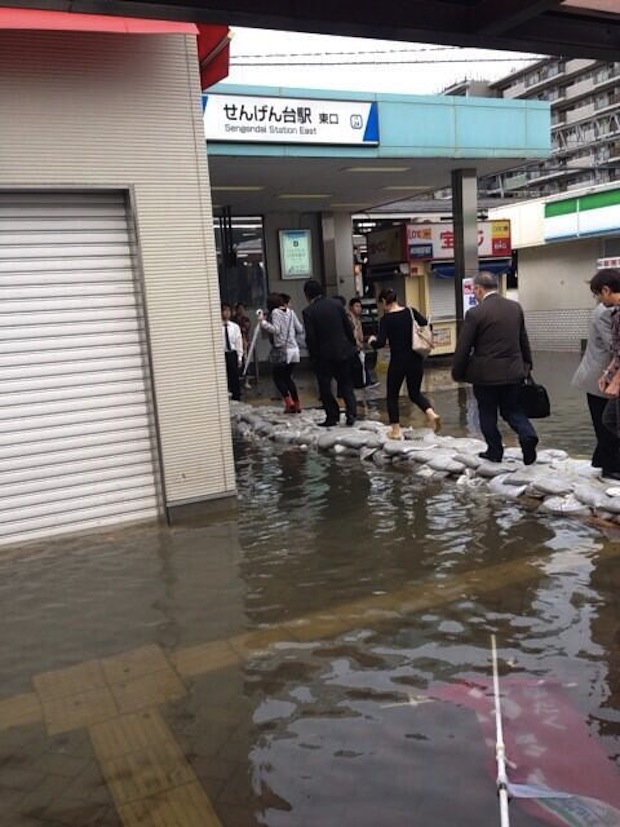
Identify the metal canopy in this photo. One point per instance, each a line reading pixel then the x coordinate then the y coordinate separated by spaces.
pixel 573 28
pixel 258 185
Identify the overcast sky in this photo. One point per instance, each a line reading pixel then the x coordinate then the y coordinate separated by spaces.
pixel 435 68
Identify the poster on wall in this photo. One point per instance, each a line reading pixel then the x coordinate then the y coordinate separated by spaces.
pixel 469 299
pixel 295 254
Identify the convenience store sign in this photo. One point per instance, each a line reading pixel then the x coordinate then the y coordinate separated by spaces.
pixel 592 214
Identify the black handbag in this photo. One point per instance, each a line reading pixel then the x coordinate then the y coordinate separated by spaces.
pixel 277 356
pixel 534 399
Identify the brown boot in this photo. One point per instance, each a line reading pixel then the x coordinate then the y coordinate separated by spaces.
pixel 289 405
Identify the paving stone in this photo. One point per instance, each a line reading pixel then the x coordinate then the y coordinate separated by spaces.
pixel 128 733
pixel 206 657
pixel 129 665
pixel 20 710
pixel 78 711
pixel 148 691
pixel 75 680
pixel 186 806
pixel 55 763
pixel 143 773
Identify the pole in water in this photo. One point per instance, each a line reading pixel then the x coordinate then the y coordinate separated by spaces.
pixel 500 749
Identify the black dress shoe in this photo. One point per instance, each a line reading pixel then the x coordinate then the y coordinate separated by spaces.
pixel 610 475
pixel 489 457
pixel 327 424
pixel 528 446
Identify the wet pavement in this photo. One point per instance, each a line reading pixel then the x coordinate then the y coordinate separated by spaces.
pixel 305 658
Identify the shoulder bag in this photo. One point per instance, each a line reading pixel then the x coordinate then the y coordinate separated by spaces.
pixel 421 338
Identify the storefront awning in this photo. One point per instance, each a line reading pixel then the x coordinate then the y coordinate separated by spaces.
pixel 213 41
pixel 74 22
pixel 498 267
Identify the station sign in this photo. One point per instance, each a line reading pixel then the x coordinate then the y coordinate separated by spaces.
pixel 255 119
pixel 435 241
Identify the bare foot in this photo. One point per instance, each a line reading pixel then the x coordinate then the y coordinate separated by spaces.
pixel 394 432
pixel 434 421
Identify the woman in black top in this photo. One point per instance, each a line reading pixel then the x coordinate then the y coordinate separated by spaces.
pixel 395 327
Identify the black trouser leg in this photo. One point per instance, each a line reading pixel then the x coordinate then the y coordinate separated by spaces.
pixel 280 379
pixel 397 370
pixel 487 397
pixel 415 371
pixel 511 410
pixel 324 377
pixel 232 373
pixel 607 451
pixel 342 370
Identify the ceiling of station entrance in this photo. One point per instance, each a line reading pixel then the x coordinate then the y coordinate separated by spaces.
pixel 573 28
pixel 256 186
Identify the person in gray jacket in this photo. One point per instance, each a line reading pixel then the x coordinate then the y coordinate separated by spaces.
pixel 493 353
pixel 593 365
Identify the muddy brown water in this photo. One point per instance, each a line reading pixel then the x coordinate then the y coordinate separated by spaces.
pixel 380 588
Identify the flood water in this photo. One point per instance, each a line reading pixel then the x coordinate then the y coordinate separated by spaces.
pixel 369 597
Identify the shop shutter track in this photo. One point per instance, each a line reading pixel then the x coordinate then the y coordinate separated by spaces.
pixel 76 425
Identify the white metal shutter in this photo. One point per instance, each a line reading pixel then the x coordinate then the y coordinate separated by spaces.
pixel 441 297
pixel 76 435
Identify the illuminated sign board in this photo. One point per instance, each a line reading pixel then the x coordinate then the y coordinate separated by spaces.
pixel 253 119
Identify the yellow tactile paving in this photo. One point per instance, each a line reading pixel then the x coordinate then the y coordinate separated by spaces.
pixel 75 680
pixel 79 711
pixel 135 775
pixel 148 691
pixel 128 733
pixel 20 710
pixel 205 658
pixel 134 664
pixel 251 642
pixel 186 806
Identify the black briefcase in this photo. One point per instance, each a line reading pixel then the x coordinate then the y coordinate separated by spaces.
pixel 534 399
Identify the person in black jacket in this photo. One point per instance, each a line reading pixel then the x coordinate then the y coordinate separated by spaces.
pixel 396 327
pixel 493 354
pixel 331 344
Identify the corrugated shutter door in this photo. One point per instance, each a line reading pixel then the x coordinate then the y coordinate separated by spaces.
pixel 76 433
pixel 441 296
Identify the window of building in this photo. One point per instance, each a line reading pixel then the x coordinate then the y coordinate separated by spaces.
pixel 240 249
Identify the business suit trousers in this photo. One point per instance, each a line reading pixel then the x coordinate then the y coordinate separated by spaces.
pixel 507 400
pixel 340 370
pixel 232 373
pixel 607 451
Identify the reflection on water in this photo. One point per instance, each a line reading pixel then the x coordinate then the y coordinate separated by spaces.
pixel 390 587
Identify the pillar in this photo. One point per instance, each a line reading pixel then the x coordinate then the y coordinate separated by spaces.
pixel 338 254
pixel 465 212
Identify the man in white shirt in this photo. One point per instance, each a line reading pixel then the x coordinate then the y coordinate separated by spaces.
pixel 232 341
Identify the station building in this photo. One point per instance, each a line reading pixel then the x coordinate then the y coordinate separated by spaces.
pixel 113 396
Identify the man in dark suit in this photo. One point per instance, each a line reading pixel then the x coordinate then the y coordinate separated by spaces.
pixel 331 345
pixel 493 354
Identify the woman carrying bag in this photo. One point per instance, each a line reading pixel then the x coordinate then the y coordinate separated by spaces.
pixel 283 327
pixel 397 328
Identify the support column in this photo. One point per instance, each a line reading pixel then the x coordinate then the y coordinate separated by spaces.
pixel 465 212
pixel 338 254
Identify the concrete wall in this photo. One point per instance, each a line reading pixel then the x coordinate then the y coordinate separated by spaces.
pixel 123 112
pixel 554 293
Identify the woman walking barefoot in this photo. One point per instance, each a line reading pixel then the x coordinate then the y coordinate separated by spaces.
pixel 396 328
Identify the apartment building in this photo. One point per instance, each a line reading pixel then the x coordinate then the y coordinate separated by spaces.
pixel 585 117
